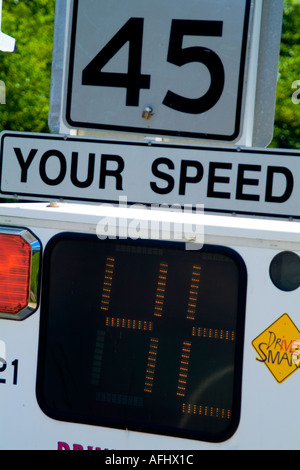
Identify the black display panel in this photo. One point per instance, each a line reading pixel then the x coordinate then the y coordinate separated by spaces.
pixel 143 336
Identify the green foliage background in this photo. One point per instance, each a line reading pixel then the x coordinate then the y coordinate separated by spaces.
pixel 27 72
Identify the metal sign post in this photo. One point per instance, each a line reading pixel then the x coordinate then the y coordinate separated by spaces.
pixel 194 75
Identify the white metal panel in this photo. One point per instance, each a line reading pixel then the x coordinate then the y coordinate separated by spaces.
pixel 266 404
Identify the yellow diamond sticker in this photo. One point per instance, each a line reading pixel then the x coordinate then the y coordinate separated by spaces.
pixel 278 347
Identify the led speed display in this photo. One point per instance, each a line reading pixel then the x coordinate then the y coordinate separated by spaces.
pixel 144 336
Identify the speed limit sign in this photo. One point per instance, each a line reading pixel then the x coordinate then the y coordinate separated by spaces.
pixel 168 68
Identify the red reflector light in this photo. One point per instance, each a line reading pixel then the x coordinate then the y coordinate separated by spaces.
pixel 15 267
pixel 19 272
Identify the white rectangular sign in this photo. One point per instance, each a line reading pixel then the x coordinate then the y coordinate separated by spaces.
pixel 169 69
pixel 249 181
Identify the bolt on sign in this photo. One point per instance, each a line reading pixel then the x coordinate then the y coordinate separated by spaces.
pixel 278 347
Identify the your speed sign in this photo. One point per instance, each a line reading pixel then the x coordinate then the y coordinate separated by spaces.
pixel 160 68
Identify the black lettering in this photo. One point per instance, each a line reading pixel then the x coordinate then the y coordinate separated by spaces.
pixel 62 171
pixel 104 171
pixel 269 185
pixel 212 179
pixel 162 175
pixel 241 181
pixel 24 164
pixel 133 80
pixel 180 55
pixel 184 178
pixel 90 173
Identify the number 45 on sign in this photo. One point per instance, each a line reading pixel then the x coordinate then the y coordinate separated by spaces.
pixel 184 64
